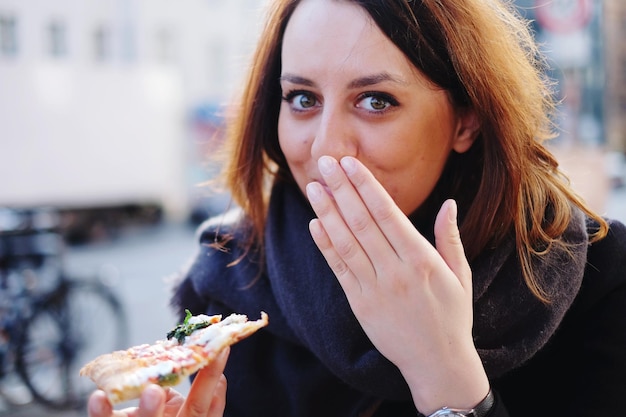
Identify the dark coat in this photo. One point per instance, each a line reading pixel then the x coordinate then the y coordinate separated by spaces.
pixel 580 372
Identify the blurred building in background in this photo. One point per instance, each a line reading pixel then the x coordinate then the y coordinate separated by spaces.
pixel 109 108
pixel 583 41
pixel 106 105
pixel 571 35
pixel 615 103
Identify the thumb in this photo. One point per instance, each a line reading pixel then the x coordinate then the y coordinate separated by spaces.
pixel 449 245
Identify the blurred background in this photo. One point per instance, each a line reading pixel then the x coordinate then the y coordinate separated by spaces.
pixel 108 112
pixel 108 107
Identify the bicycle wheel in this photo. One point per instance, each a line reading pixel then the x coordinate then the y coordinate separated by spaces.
pixel 78 322
pixel 13 391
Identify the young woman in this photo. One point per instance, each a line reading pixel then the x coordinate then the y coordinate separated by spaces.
pixel 401 222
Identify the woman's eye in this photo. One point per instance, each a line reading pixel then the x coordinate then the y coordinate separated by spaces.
pixel 304 101
pixel 300 100
pixel 376 102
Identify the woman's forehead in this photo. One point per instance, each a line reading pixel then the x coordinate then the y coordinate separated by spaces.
pixel 340 34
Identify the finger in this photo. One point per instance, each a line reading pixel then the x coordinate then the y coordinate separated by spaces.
pixel 218 405
pixel 449 245
pixel 99 405
pixel 356 210
pixel 203 389
pixel 394 225
pixel 344 275
pixel 341 249
pixel 173 401
pixel 152 402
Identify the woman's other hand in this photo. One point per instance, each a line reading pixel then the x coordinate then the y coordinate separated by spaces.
pixel 207 397
pixel 413 300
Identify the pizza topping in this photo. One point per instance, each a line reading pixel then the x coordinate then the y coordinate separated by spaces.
pixel 230 324
pixel 164 352
pixel 168 379
pixel 190 325
pixel 158 369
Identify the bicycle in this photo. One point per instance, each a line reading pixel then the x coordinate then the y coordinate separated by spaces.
pixel 50 323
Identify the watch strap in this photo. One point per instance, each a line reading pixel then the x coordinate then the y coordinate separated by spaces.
pixel 483 408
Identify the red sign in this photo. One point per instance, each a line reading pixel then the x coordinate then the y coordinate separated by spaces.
pixel 563 16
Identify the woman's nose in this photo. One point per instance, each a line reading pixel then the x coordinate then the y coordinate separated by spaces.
pixel 334 136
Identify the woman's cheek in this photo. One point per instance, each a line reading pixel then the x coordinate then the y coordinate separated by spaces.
pixel 294 144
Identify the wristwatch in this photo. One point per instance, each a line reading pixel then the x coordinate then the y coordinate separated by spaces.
pixel 481 410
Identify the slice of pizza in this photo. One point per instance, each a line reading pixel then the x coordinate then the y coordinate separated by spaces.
pixel 190 346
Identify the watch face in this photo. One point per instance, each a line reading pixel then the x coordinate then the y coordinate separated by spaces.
pixel 447 412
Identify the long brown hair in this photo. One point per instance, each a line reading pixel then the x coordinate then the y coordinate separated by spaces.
pixel 485 56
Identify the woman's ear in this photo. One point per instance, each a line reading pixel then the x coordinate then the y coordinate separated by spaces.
pixel 467 130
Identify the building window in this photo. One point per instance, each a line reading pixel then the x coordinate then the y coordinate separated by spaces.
pixel 8 35
pixel 57 39
pixel 216 64
pixel 165 46
pixel 128 47
pixel 102 44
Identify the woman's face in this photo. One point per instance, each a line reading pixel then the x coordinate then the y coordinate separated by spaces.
pixel 349 91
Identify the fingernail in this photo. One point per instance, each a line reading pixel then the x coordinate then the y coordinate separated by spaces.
pixel 326 165
pixel 315 228
pixel 313 192
pixel 452 211
pixel 348 164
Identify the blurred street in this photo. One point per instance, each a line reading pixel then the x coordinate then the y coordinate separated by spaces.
pixel 139 262
pixel 616 204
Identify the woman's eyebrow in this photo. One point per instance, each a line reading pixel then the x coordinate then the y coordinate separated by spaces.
pixel 375 79
pixel 360 82
pixel 296 79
